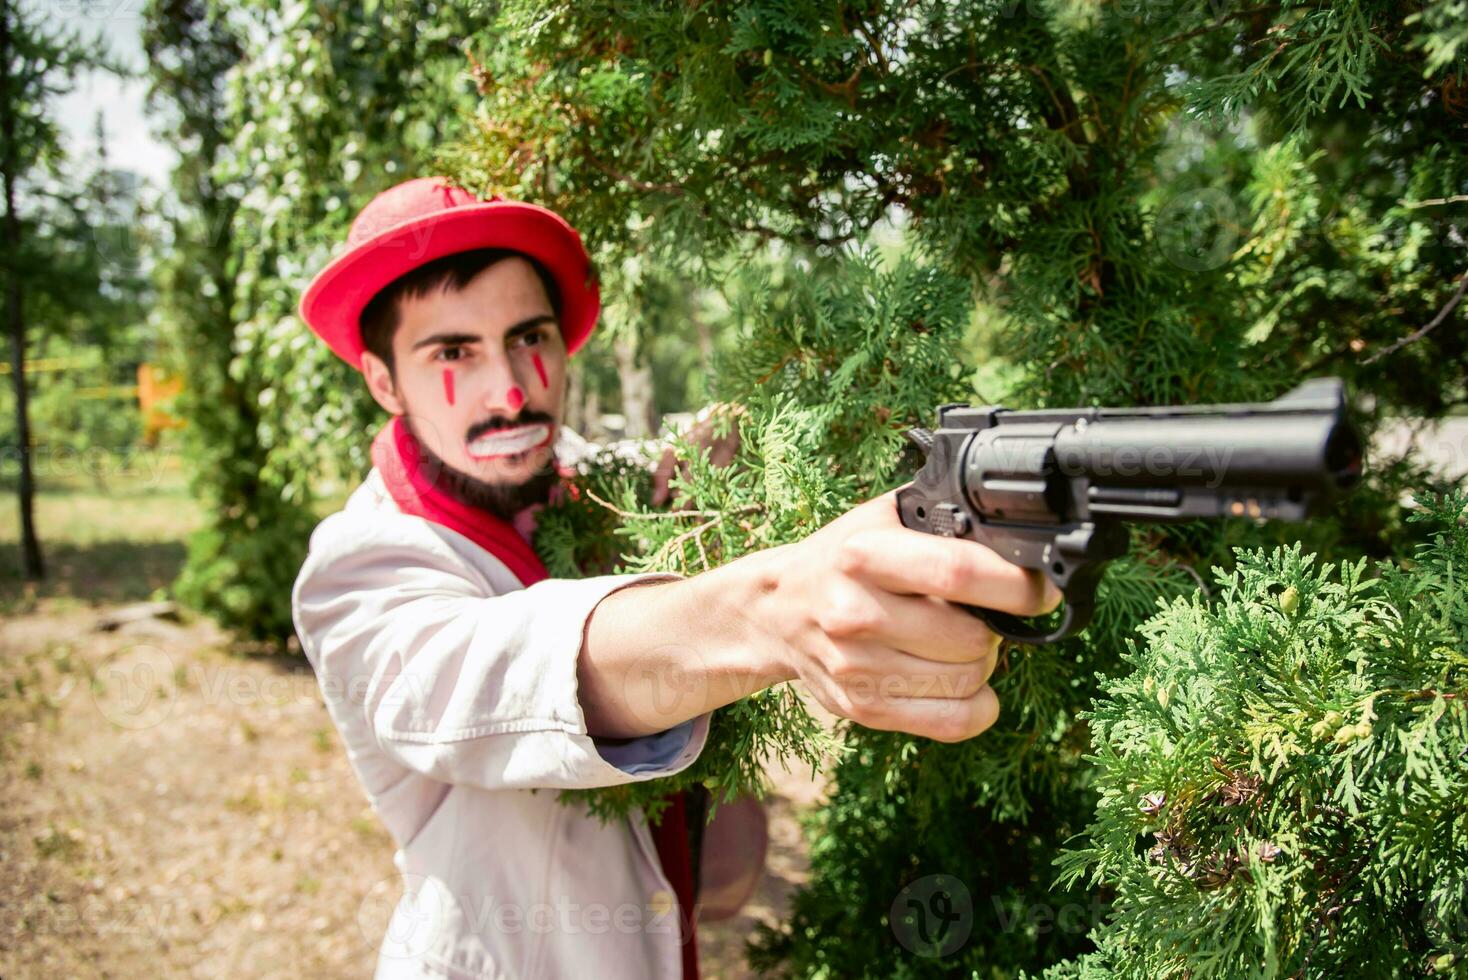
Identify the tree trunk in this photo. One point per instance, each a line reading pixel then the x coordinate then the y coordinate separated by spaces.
pixel 637 390
pixel 30 547
pixel 705 349
pixel 591 415
pixel 575 416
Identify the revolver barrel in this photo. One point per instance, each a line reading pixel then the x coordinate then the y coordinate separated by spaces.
pixel 1053 490
pixel 1163 469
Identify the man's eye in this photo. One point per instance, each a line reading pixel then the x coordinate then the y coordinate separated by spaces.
pixel 530 339
pixel 451 354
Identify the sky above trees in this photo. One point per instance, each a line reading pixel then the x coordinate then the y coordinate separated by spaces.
pixel 131 141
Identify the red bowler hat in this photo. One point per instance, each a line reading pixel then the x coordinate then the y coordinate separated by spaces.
pixel 424 219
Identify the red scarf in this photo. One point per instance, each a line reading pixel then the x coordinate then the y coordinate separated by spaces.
pixel 412 482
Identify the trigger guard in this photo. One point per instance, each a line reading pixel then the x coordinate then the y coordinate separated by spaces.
pixel 1076 616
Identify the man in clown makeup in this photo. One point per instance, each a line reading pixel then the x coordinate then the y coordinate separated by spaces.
pixel 469 687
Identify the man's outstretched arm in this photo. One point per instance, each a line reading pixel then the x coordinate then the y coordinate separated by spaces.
pixel 862 611
pixel 660 652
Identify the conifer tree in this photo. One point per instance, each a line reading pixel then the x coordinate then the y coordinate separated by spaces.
pixel 1147 203
pixel 41 273
pixel 299 114
pixel 236 564
pixel 1291 760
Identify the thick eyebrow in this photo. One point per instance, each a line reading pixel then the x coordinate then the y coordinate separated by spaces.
pixel 448 340
pixel 462 339
pixel 527 325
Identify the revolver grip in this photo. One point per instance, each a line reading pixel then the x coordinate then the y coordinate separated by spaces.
pixel 1072 556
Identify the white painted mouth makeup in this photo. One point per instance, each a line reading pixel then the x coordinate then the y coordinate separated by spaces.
pixel 510 442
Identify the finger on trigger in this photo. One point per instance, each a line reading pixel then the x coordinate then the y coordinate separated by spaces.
pixel 1053 595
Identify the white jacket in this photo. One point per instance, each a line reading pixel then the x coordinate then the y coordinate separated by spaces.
pixel 454 689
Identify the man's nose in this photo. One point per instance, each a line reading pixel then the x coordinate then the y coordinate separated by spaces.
pixel 504 389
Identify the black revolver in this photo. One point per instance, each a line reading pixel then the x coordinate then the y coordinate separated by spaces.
pixel 1053 490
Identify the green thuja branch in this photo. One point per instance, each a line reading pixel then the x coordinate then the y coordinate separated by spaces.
pixel 1282 777
pixel 882 338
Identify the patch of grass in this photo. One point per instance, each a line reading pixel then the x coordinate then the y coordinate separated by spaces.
pixel 257 800
pixel 367 827
pixel 61 657
pixel 247 802
pixel 226 907
pixel 63 845
pixel 321 738
pixel 23 693
pixel 112 531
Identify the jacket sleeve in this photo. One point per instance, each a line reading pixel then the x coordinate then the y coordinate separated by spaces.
pixel 416 654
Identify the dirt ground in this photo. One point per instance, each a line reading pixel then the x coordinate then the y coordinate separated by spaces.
pixel 171 809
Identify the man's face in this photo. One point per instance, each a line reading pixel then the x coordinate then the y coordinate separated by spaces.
pixel 480 374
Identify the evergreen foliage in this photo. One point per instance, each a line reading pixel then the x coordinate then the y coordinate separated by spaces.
pixel 1099 203
pixel 1281 776
pixel 51 275
pixel 300 114
pixel 250 545
pixel 1153 204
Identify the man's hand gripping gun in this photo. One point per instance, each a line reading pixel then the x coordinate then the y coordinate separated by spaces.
pixel 1054 490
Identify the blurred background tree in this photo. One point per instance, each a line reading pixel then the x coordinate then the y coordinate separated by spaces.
pixel 57 284
pixel 300 114
pixel 246 547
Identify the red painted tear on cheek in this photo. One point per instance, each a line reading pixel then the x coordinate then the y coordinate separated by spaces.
pixel 448 385
pixel 540 370
pixel 515 397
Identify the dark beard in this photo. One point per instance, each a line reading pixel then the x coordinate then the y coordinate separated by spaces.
pixel 503 500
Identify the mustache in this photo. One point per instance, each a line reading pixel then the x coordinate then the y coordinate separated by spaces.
pixel 494 424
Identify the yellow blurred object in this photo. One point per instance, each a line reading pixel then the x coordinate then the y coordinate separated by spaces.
pixel 155 391
pixel 107 391
pixel 43 365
